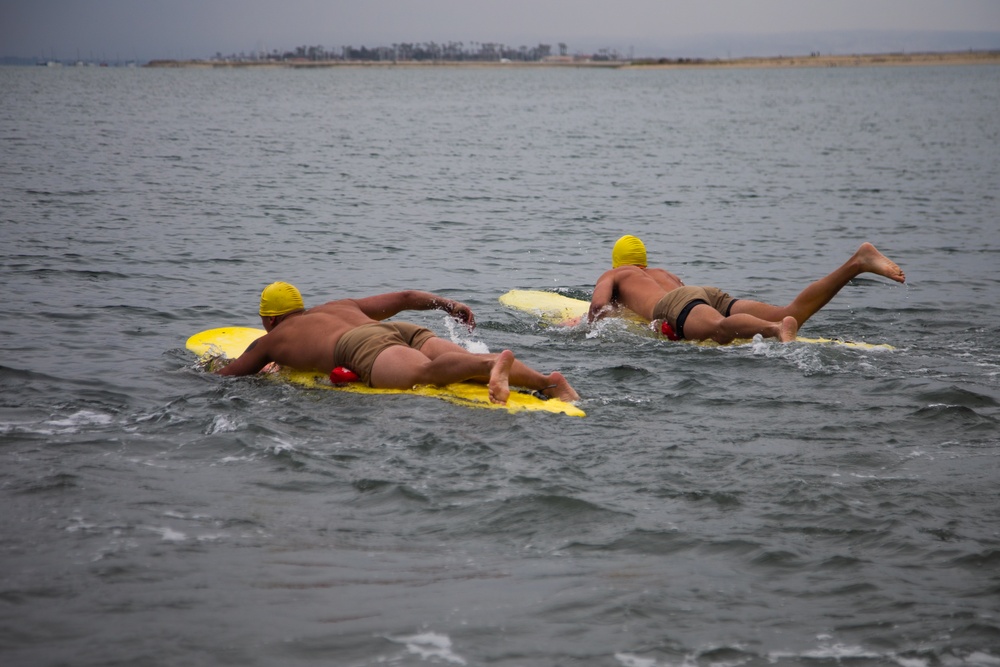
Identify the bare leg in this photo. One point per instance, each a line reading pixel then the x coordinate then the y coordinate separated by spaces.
pixel 441 362
pixel 401 367
pixel 553 385
pixel 867 259
pixel 705 323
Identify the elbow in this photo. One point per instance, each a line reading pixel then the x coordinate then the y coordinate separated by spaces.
pixel 413 300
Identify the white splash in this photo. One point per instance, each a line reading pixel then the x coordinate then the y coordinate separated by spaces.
pixel 824 651
pixel 911 662
pixel 72 423
pixel 83 418
pixel 461 336
pixel 167 534
pixel 629 660
pixel 280 447
pixel 430 645
pixel 221 424
pixel 237 459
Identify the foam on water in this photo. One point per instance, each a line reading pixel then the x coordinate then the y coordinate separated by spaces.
pixel 75 422
pixel 431 646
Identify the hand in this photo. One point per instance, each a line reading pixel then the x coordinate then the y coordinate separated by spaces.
pixel 597 311
pixel 215 363
pixel 461 312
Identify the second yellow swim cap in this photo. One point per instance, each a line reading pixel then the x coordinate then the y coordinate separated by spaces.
pixel 280 298
pixel 628 251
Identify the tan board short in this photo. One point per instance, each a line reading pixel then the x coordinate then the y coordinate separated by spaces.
pixel 358 348
pixel 676 304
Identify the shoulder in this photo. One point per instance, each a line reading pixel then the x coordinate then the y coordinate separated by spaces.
pixel 661 275
pixel 623 273
pixel 333 306
pixel 619 273
pixel 607 275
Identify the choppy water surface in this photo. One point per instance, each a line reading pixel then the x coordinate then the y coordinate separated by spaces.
pixel 753 505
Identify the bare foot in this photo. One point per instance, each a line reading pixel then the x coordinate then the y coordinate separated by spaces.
pixel 875 262
pixel 561 388
pixel 499 384
pixel 789 329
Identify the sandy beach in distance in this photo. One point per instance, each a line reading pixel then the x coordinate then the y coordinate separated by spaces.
pixel 865 60
pixel 868 60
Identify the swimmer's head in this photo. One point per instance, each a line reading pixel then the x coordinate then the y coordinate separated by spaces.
pixel 628 251
pixel 280 299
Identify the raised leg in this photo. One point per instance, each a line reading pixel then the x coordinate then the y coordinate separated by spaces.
pixel 867 259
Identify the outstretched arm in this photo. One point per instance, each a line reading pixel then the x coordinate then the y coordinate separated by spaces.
pixel 383 306
pixel 252 360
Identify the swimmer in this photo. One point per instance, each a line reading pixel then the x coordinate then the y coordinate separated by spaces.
pixel 350 333
pixel 707 313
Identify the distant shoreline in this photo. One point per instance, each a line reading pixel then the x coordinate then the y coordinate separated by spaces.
pixel 866 60
pixel 863 60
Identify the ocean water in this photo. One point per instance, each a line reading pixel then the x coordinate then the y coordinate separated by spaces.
pixel 718 507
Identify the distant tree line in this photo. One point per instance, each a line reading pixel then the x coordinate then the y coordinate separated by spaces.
pixel 427 51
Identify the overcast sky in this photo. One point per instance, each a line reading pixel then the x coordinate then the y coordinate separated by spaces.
pixel 146 29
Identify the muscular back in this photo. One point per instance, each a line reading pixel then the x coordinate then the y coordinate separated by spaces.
pixel 307 341
pixel 633 287
pixel 304 341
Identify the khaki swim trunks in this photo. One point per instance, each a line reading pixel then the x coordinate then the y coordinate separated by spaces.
pixel 676 304
pixel 358 348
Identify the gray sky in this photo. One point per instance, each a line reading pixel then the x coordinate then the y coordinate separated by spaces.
pixel 146 29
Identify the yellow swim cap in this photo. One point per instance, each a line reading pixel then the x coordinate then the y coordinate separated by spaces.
pixel 628 251
pixel 279 299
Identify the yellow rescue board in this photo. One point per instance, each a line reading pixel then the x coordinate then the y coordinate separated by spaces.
pixel 562 310
pixel 230 342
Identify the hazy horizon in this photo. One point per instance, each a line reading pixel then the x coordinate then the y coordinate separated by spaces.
pixel 727 46
pixel 195 29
